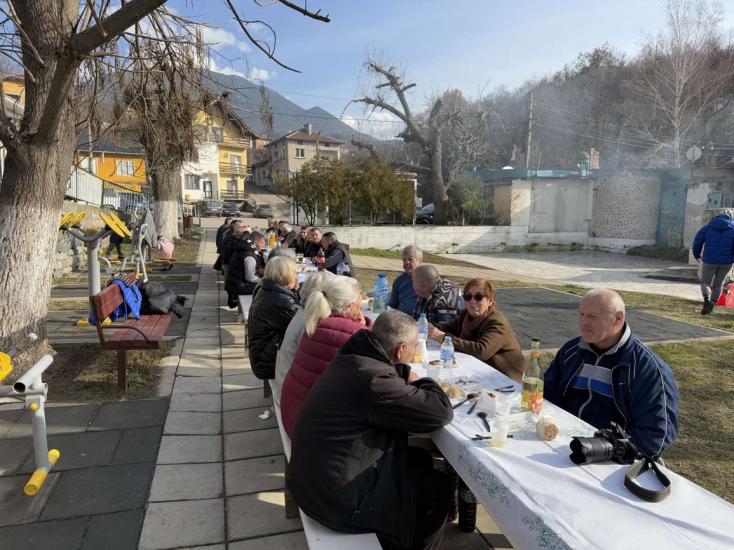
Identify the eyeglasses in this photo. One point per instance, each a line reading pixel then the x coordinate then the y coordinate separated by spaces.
pixel 477 297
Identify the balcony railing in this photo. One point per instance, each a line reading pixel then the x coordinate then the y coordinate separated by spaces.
pixel 232 195
pixel 234 168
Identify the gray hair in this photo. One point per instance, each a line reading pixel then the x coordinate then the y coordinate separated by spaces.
pixel 280 270
pixel 413 250
pixel 313 283
pixel 394 327
pixel 611 300
pixel 285 227
pixel 427 273
pixel 282 251
pixel 729 212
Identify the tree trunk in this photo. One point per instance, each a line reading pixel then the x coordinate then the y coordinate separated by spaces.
pixel 438 188
pixel 166 190
pixel 31 196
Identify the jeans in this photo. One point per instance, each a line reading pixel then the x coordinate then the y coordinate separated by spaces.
pixel 713 276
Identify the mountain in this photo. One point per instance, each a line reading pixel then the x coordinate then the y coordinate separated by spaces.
pixel 246 98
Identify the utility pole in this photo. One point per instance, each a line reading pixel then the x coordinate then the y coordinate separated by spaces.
pixel 530 135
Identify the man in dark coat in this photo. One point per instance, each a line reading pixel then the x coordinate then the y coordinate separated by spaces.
pixel 314 245
pixel 244 268
pixel 716 238
pixel 229 240
pixel 351 468
pixel 336 252
pixel 221 230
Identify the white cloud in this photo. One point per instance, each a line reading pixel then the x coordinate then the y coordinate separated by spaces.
pixel 224 70
pixel 380 124
pixel 261 74
pixel 215 36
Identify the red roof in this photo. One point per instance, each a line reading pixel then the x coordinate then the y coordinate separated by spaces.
pixel 303 135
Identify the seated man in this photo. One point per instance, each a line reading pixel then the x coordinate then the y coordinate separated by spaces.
pixel 403 297
pixel 351 468
pixel 314 236
pixel 438 298
pixel 336 252
pixel 607 375
pixel 287 234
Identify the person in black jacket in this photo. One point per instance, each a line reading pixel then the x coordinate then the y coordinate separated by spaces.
pixel 300 243
pixel 336 252
pixel 221 230
pixel 230 238
pixel 351 468
pixel 314 245
pixel 274 303
pixel 245 267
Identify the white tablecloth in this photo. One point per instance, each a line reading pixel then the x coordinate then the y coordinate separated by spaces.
pixel 540 499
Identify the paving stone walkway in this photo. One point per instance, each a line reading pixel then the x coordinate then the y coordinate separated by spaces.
pixel 219 473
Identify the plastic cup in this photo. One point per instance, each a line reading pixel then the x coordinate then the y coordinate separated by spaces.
pixel 499 433
pixel 433 371
pixel 503 404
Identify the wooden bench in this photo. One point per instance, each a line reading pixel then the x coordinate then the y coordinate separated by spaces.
pixel 317 535
pixel 144 333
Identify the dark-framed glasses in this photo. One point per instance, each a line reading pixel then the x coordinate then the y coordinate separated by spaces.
pixel 477 297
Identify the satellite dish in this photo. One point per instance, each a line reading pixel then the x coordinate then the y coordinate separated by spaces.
pixel 693 153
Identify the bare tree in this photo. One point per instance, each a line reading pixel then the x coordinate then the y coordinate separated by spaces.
pixel 390 95
pixel 680 76
pixel 52 42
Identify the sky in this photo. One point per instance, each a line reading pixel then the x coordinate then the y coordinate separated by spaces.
pixel 471 45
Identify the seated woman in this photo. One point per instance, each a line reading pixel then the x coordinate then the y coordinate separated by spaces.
pixel 332 315
pixel 294 332
pixel 483 331
pixel 274 303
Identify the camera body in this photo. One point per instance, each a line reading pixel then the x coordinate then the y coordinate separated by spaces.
pixel 607 444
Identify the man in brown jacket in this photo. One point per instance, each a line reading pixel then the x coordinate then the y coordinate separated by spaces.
pixel 483 331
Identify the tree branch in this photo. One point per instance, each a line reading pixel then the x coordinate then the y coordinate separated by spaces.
pixel 306 12
pixel 368 146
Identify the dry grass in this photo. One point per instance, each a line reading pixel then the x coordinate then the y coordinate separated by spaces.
pixel 83 372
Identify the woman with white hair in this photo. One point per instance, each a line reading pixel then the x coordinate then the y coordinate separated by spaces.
pixel 294 332
pixel 332 315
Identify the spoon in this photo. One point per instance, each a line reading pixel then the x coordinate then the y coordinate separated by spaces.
pixel 483 416
pixel 467 398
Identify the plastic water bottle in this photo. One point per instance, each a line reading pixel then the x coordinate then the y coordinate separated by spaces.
pixel 342 268
pixel 447 358
pixel 423 327
pixel 379 300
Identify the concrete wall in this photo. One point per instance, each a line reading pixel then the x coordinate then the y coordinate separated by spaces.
pixel 626 206
pixel 467 239
pixel 560 205
pixel 503 204
pixel 696 213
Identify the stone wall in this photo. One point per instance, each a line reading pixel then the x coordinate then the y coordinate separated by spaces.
pixel 467 239
pixel 71 254
pixel 626 206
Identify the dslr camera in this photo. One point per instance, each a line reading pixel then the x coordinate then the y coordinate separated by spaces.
pixel 607 444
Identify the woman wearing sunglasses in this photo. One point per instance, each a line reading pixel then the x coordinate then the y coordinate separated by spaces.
pixel 483 331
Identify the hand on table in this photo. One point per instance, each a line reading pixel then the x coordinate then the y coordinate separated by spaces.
pixel 435 334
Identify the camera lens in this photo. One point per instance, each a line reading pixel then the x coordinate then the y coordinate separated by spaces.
pixel 590 449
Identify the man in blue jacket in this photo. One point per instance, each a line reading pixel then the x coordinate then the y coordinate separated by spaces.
pixel 717 240
pixel 608 375
pixel 403 297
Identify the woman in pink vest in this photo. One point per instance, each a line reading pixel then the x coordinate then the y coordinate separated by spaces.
pixel 332 316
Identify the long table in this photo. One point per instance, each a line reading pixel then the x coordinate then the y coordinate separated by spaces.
pixel 540 499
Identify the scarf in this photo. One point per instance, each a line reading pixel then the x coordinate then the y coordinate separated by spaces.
pixel 470 325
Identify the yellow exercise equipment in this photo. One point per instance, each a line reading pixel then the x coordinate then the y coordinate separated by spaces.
pixel 6 365
pixel 121 224
pixel 76 219
pixel 112 224
pixel 65 219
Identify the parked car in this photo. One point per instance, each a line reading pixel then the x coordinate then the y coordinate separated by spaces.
pixel 264 211
pixel 231 209
pixel 425 214
pixel 211 208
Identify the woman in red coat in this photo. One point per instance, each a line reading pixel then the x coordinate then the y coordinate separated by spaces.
pixel 332 316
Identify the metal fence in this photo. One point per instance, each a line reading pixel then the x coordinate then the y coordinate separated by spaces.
pixel 86 187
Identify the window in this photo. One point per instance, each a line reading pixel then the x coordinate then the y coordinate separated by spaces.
pixel 235 160
pixel 124 168
pixel 216 134
pixel 300 152
pixel 191 182
pixel 207 189
pixel 231 185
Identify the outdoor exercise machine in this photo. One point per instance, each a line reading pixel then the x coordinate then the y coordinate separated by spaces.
pixel 70 224
pixel 33 390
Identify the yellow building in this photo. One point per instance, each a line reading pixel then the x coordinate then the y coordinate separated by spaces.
pixel 224 159
pixel 120 162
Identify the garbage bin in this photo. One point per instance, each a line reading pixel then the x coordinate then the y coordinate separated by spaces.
pixel 188 223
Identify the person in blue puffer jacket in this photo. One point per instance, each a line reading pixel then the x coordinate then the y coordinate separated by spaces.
pixel 716 238
pixel 608 375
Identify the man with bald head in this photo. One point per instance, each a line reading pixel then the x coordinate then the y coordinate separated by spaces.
pixel 440 299
pixel 608 375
